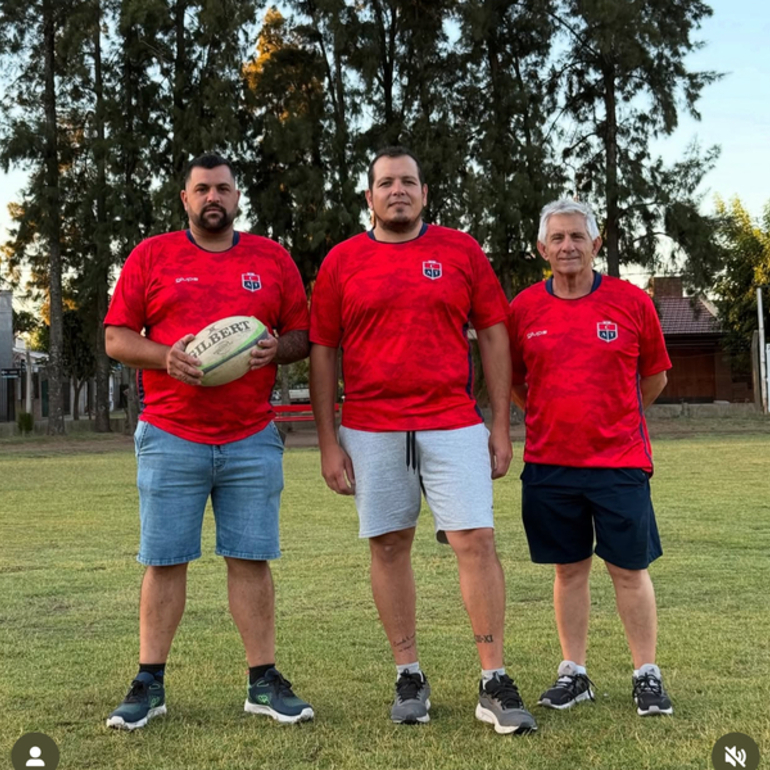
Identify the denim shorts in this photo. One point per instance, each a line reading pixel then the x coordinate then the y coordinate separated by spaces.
pixel 176 477
pixel 565 509
pixel 452 468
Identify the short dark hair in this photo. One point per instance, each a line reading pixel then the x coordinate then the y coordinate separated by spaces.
pixel 207 160
pixel 395 152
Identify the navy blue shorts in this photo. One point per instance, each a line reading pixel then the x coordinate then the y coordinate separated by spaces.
pixel 564 507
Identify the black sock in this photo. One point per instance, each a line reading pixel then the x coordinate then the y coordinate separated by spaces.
pixel 257 672
pixel 156 669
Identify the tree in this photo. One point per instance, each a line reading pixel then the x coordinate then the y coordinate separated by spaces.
pixel 33 136
pixel 505 99
pixel 24 322
pixel 746 259
pixel 285 172
pixel 200 47
pixel 624 79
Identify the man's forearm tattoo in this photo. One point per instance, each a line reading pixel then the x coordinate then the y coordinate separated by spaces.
pixel 483 638
pixel 292 346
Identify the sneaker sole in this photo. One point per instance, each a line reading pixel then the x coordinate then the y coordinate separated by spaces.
pixel 587 695
pixel 413 720
pixel 654 711
pixel 484 715
pixel 118 723
pixel 285 719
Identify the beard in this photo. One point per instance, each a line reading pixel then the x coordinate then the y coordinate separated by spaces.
pixel 399 223
pixel 214 219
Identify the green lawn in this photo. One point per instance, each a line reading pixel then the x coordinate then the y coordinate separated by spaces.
pixel 69 586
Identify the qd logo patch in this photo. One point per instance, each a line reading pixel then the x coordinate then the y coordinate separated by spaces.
pixel 607 331
pixel 431 270
pixel 251 281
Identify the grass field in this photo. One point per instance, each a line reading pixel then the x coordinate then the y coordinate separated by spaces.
pixel 69 586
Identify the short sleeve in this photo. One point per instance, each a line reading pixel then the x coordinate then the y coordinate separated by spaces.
pixel 128 306
pixel 293 315
pixel 653 356
pixel 488 303
pixel 326 306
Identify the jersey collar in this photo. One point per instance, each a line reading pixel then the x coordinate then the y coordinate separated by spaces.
pixel 236 238
pixel 594 286
pixel 423 230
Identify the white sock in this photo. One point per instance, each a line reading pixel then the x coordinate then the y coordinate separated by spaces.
pixel 570 668
pixel 412 668
pixel 488 674
pixel 647 668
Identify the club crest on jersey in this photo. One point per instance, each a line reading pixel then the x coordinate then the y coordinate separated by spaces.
pixel 251 281
pixel 431 270
pixel 607 331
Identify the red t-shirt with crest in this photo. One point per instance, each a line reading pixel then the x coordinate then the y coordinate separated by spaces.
pixel 170 287
pixel 582 360
pixel 401 312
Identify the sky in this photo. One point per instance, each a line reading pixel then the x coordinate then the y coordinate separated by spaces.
pixel 735 111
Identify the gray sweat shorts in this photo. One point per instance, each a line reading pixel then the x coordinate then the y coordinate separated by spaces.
pixel 451 467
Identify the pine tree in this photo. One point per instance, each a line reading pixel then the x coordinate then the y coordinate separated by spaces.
pixel 36 136
pixel 624 78
pixel 505 97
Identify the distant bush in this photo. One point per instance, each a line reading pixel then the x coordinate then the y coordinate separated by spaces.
pixel 25 421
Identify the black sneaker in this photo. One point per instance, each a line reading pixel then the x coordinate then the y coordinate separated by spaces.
pixel 146 699
pixel 570 688
pixel 501 705
pixel 272 696
pixel 648 694
pixel 412 699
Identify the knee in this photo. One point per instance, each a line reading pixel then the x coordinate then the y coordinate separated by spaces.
pixel 237 567
pixel 627 578
pixel 392 546
pixel 477 544
pixel 573 574
pixel 167 572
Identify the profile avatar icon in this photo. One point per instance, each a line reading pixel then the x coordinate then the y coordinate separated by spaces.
pixel 35 761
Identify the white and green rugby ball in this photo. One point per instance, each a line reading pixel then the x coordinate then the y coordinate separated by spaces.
pixel 224 348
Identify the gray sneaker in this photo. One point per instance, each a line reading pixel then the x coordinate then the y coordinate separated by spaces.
pixel 411 704
pixel 501 705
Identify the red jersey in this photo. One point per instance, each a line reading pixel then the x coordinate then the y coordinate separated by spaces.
pixel 401 312
pixel 582 360
pixel 170 287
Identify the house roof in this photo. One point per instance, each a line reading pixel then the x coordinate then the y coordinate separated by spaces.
pixel 683 315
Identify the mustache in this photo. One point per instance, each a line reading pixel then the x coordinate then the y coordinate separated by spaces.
pixel 213 207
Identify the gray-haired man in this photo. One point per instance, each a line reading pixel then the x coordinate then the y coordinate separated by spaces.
pixel 588 357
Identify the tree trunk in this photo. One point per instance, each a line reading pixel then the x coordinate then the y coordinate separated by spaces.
pixel 102 424
pixel 76 402
pixel 179 148
pixel 612 234
pixel 52 228
pixel 132 403
pixel 285 395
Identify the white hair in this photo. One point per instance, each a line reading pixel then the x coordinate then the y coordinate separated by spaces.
pixel 567 206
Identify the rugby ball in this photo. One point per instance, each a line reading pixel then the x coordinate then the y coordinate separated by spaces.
pixel 224 348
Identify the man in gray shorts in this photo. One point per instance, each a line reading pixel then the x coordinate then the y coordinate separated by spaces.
pixel 399 300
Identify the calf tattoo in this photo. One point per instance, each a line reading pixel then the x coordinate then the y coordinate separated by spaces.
pixel 483 638
pixel 406 643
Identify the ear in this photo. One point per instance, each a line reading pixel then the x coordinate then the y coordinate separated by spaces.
pixel 183 196
pixel 597 245
pixel 425 195
pixel 368 194
pixel 541 249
